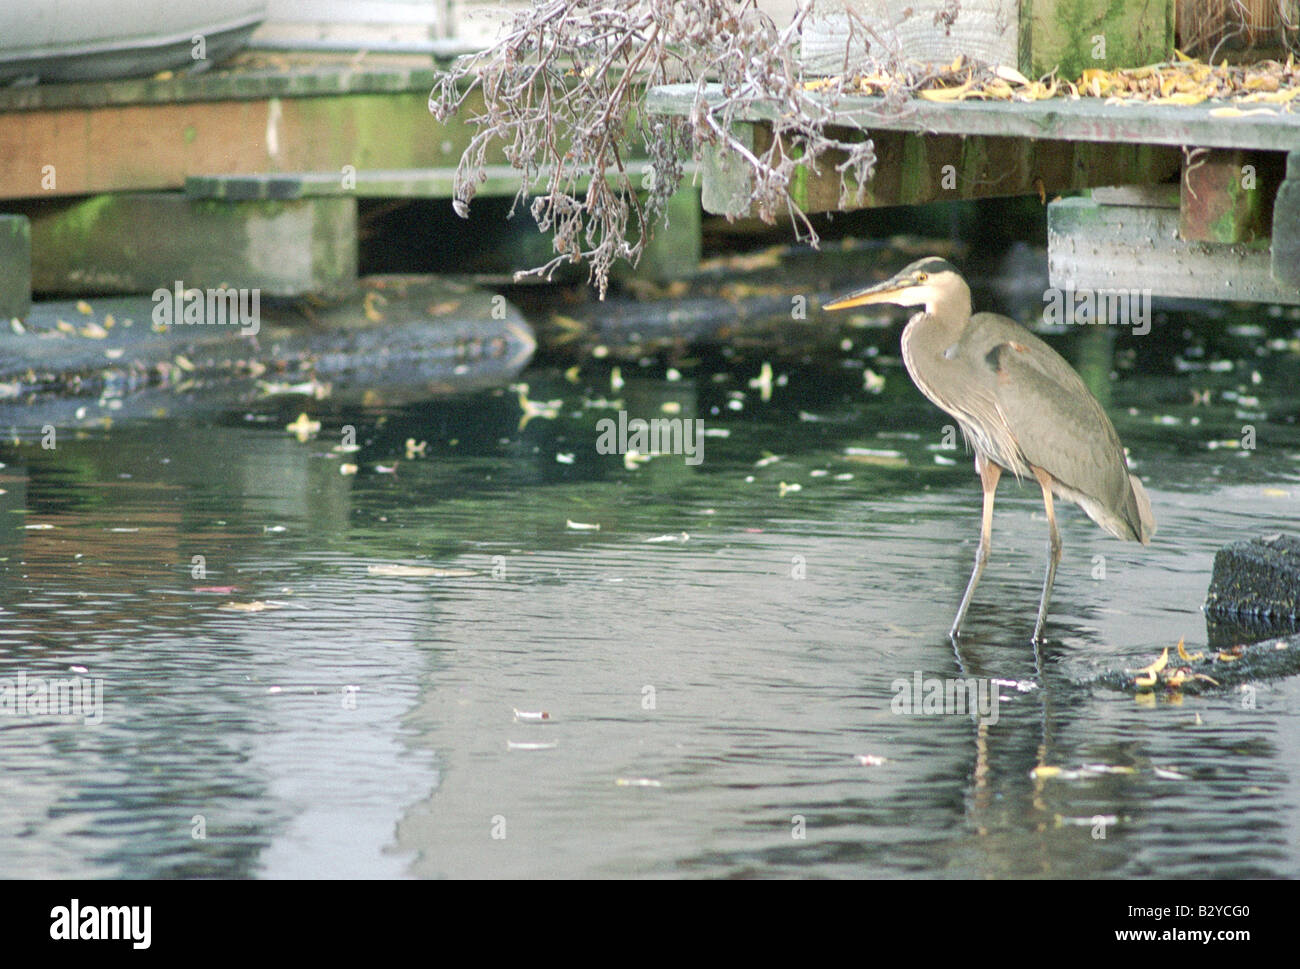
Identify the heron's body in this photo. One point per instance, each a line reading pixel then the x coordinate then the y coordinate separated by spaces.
pixel 1019 404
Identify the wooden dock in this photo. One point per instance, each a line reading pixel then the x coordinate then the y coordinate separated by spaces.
pixel 1184 229
pixel 249 175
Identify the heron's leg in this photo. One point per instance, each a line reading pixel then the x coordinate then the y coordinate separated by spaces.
pixel 1053 551
pixel 989 475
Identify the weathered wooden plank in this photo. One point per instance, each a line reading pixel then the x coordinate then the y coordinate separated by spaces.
pixel 377 74
pixel 15 267
pixel 1093 246
pixel 136 243
pixel 499 180
pixel 924 30
pixel 83 151
pixel 1087 119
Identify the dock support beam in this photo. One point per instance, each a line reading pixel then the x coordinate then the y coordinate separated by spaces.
pixel 1286 226
pixel 138 242
pixel 15 267
pixel 1128 239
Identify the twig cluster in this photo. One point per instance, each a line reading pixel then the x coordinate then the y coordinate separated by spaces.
pixel 561 95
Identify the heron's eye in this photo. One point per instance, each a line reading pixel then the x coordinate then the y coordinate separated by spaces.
pixel 921 277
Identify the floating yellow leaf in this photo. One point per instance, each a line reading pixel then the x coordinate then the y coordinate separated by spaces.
pixel 549 409
pixel 303 428
pixel 257 606
pixel 369 306
pixel 1182 653
pixel 1148 675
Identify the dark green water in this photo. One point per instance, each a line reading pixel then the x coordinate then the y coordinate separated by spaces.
pixel 708 695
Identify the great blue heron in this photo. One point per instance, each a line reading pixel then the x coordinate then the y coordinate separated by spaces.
pixel 1020 405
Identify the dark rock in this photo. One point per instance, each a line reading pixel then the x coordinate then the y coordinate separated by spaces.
pixel 1259 579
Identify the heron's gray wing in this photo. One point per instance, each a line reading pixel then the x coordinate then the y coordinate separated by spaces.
pixel 1057 423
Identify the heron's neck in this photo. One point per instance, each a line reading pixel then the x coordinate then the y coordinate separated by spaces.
pixel 951 308
pixel 943 317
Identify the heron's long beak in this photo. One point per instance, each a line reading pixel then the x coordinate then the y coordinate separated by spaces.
pixel 880 293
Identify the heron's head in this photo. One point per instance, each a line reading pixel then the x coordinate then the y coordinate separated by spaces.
pixel 927 282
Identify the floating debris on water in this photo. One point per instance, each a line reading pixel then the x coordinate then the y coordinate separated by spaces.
pixel 536 716
pixel 303 428
pixel 409 571
pixel 256 606
pixel 547 409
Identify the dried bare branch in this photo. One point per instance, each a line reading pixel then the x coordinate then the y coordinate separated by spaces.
pixel 562 98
